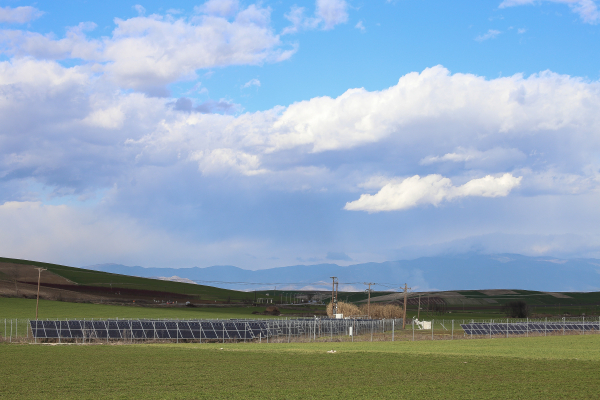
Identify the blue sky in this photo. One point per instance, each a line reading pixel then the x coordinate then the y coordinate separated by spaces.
pixel 274 133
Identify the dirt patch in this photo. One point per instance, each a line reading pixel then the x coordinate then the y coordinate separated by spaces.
pixel 558 295
pixel 28 273
pixel 497 292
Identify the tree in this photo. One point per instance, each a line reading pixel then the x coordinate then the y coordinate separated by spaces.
pixel 516 309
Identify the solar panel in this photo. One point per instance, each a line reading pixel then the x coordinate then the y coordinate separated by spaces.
pixel 523 328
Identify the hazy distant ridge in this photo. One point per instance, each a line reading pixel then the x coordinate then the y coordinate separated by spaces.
pixel 468 271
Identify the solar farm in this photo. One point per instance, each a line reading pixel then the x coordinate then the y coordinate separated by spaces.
pixel 198 331
pixel 108 348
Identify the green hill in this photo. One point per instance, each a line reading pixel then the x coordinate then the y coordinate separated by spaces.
pixel 106 283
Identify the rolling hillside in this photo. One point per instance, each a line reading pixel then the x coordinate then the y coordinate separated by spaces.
pixel 61 282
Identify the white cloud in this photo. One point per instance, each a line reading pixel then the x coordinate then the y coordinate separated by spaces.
pixel 74 45
pixel 476 157
pixel 586 9
pixel 148 53
pixel 223 160
pixel 72 130
pixel 328 14
pixel 251 82
pixel 431 189
pixel 332 12
pixel 140 9
pixel 19 15
pixel 360 26
pixel 520 31
pixel 221 8
pixel 490 34
pixel 428 106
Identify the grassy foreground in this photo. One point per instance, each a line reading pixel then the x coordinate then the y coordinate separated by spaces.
pixel 524 368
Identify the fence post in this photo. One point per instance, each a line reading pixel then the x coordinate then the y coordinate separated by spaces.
pixel 563 326
pixel 393 329
pixel 545 326
pixel 432 321
pixel 452 330
pixel 584 325
pixel 527 331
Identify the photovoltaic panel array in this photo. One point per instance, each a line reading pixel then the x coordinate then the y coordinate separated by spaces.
pixel 185 329
pixel 149 329
pixel 522 328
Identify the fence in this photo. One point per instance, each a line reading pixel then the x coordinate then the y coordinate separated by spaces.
pixel 282 330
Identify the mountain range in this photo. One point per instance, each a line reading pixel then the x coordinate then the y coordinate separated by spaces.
pixel 452 272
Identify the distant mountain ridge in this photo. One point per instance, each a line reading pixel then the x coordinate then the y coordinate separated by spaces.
pixel 453 272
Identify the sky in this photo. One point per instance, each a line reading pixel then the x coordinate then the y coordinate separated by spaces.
pixel 273 133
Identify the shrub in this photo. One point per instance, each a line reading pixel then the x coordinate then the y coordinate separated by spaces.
pixel 377 311
pixel 516 309
pixel 348 309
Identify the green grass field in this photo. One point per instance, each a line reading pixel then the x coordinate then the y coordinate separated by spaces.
pixel 25 308
pixel 524 368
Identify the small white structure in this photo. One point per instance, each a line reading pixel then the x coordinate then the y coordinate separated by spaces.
pixel 339 316
pixel 422 324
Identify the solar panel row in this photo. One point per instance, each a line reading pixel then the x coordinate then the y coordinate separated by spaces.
pixel 523 328
pixel 196 330
pixel 127 329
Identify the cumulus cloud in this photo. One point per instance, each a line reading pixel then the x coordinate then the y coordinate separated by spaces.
pixel 431 189
pixel 148 53
pixel 434 101
pixel 221 8
pixel 328 14
pixel 71 130
pixel 490 34
pixel 140 9
pixel 251 82
pixel 332 12
pixel 19 15
pixel 586 9
pixel 474 157
pixel 224 160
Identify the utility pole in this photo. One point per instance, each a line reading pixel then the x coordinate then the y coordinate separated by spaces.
pixel 333 295
pixel 369 299
pixel 37 303
pixel 405 304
